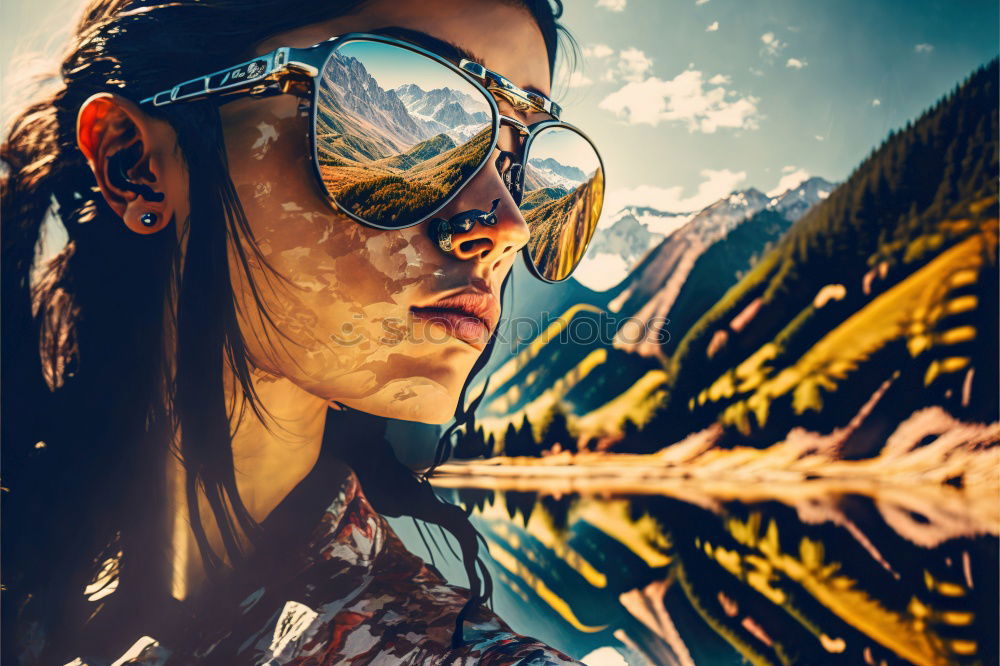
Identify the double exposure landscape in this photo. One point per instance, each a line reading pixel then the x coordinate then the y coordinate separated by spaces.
pixel 380 147
pixel 783 449
pixel 749 415
pixel 391 155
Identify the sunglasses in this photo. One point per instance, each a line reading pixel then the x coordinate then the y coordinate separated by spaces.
pixel 397 131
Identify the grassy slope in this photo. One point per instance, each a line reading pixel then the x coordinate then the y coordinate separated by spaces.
pixel 891 214
pixel 924 310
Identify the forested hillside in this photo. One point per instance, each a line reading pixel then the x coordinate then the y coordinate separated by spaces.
pixel 890 283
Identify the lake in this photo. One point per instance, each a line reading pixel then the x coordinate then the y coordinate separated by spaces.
pixel 701 571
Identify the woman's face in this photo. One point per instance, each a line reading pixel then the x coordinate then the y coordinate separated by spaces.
pixel 347 325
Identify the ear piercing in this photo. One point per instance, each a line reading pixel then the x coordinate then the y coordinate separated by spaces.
pixel 119 165
pixel 442 230
pixel 148 219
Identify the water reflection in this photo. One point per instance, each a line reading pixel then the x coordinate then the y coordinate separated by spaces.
pixel 699 573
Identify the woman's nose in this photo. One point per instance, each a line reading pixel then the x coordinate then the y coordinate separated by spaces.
pixel 492 236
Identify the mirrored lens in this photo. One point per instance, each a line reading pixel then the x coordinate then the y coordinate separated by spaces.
pixel 397 133
pixel 563 195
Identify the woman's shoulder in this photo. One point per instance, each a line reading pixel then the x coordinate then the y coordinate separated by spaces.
pixel 357 595
pixel 404 613
pixel 420 614
pixel 402 609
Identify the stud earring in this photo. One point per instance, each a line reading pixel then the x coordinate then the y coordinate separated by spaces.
pixel 148 219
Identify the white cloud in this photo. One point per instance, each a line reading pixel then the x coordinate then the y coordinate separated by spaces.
pixel 600 271
pixel 756 72
pixel 719 79
pixel 717 183
pixel 792 178
pixel 772 45
pixel 700 2
pixel 712 27
pixel 820 137
pixel 876 102
pixel 598 51
pixel 923 48
pixel 612 5
pixel 795 63
pixel 633 64
pixel 685 99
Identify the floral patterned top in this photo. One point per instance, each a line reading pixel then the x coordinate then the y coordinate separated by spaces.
pixel 353 595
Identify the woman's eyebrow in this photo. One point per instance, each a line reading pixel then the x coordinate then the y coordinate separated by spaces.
pixel 445 49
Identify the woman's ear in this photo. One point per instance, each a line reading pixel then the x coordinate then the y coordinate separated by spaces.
pixel 136 161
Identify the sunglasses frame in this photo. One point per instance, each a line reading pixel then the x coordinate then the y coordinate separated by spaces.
pixel 534 131
pixel 296 71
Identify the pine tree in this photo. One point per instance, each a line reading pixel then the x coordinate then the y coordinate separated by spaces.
pixel 556 431
pixel 526 444
pixel 510 441
pixel 471 445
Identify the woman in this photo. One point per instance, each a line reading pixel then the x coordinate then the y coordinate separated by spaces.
pixel 286 221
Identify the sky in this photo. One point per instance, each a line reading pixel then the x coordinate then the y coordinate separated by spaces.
pixel 690 99
pixel 392 68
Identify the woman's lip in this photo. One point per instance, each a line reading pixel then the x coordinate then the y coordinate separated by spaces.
pixel 458 323
pixel 471 315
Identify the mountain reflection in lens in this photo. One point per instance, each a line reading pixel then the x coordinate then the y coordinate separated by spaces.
pixel 396 132
pixel 563 195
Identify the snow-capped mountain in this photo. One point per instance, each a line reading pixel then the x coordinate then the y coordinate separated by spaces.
pixel 428 102
pixel 611 258
pixel 615 249
pixel 794 203
pixel 552 168
pixel 457 114
pixel 349 79
pixel 549 172
pixel 719 218
pixel 660 223
pixel 653 285
pixel 454 114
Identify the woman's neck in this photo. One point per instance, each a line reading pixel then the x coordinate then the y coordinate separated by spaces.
pixel 270 459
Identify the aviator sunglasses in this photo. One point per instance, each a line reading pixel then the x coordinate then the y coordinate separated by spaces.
pixel 397 130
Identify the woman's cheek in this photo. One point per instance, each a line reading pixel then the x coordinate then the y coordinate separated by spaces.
pixel 340 316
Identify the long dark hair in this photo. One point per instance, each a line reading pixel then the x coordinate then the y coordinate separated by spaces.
pixel 91 399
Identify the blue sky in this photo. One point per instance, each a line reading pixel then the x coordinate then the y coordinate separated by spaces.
pixel 688 99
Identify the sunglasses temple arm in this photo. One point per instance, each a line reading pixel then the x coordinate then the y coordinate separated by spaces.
pixel 284 70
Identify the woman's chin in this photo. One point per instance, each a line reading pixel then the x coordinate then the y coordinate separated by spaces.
pixel 410 400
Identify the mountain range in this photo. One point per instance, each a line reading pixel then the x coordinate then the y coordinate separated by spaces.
pixel 555 169
pixel 361 121
pixel 581 371
pixel 458 114
pixel 650 290
pixel 617 248
pixel 885 293
pixel 841 310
